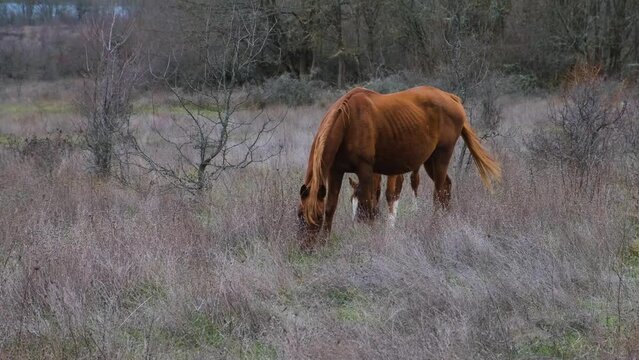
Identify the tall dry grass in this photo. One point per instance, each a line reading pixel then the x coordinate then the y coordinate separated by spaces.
pixel 96 270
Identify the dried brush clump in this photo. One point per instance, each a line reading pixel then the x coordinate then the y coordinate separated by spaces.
pixel 587 128
pixel 91 269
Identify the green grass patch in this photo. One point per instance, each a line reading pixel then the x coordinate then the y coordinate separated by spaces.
pixel 204 217
pixel 175 109
pixel 50 347
pixel 134 335
pixel 62 107
pixel 631 258
pixel 131 211
pixel 285 296
pixel 198 330
pixel 10 140
pixel 203 328
pixel 611 323
pixel 259 351
pixel 302 260
pixel 147 291
pixel 350 313
pixel 572 344
pixel 343 296
pixel 349 303
pixel 42 107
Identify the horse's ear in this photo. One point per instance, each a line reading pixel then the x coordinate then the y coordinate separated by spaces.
pixel 353 183
pixel 321 194
pixel 304 191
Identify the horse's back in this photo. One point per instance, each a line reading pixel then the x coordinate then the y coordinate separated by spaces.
pixel 406 127
pixel 439 111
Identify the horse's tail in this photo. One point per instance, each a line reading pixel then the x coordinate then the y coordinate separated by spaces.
pixel 328 141
pixel 488 168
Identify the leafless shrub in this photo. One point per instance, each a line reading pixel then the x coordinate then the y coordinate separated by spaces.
pixel 485 114
pixel 396 82
pixel 47 152
pixel 290 91
pixel 582 135
pixel 111 73
pixel 630 132
pixel 490 114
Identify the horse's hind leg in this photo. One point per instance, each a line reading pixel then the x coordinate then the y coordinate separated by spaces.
pixel 393 191
pixel 437 168
pixel 414 183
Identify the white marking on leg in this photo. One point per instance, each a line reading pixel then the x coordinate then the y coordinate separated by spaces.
pixel 393 213
pixel 355 203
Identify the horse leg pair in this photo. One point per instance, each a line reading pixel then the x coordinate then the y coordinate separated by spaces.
pixel 394 186
pixel 394 189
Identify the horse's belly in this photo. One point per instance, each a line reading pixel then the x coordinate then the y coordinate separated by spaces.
pixel 400 158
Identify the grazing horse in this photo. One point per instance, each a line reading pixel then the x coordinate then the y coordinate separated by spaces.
pixel 394 184
pixel 365 133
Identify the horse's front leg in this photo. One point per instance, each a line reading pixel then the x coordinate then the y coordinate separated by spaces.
pixel 334 186
pixel 366 192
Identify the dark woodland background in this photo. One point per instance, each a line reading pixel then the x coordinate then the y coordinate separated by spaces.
pixel 341 42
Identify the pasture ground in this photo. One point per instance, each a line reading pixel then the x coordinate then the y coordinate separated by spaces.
pixel 91 269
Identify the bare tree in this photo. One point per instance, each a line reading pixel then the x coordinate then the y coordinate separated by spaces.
pixel 111 72
pixel 370 13
pixel 464 47
pixel 212 138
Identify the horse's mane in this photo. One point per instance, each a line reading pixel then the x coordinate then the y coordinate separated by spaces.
pixel 318 163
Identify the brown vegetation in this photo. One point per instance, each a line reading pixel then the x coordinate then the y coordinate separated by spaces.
pixel 93 269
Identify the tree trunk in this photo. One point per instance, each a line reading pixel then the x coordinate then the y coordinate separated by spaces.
pixel 371 46
pixel 304 73
pixel 340 44
pixel 340 71
pixel 615 33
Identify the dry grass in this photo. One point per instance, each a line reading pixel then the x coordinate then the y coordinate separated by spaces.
pixel 535 270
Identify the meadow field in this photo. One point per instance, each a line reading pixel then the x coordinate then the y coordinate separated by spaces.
pixel 546 266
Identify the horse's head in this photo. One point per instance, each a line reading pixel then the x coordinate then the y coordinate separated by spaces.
pixel 310 214
pixel 355 196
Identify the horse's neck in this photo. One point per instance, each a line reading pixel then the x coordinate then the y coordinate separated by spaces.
pixel 333 137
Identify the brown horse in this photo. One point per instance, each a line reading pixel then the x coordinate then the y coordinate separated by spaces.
pixel 394 184
pixel 365 132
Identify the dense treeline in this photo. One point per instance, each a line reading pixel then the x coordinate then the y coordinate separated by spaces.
pixel 32 12
pixel 339 41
